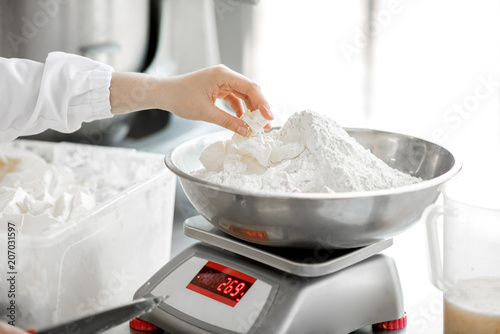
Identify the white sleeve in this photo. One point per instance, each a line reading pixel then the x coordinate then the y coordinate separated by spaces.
pixel 61 94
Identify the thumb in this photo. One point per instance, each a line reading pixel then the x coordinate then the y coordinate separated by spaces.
pixel 229 122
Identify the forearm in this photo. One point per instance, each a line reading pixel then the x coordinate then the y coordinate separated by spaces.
pixel 182 95
pixel 131 92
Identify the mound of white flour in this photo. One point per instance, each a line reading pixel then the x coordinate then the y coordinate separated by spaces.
pixel 310 153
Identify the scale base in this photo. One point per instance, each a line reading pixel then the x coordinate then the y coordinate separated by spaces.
pixel 366 292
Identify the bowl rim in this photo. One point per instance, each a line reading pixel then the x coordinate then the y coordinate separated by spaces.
pixel 423 185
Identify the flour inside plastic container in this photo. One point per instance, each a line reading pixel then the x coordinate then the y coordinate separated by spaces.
pixel 53 184
pixel 310 153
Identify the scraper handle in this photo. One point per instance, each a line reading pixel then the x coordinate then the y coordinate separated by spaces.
pixel 101 321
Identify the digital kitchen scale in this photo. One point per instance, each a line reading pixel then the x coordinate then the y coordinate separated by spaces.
pixel 224 285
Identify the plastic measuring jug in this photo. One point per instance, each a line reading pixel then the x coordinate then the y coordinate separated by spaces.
pixel 464 256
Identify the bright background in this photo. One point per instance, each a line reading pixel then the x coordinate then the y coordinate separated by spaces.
pixel 430 68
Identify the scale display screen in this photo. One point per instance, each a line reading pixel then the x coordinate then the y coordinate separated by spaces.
pixel 221 283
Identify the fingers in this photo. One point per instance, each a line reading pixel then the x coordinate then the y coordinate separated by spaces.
pixel 237 106
pixel 229 122
pixel 245 89
pixel 266 112
pixel 256 102
pixel 8 329
pixel 235 103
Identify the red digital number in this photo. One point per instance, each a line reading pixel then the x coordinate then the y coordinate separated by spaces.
pixel 221 286
pixel 221 283
pixel 230 287
pixel 237 289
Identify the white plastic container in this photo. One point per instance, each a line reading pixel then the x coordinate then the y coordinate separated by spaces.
pixel 91 262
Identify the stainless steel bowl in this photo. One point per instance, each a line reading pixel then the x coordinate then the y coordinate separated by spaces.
pixel 306 220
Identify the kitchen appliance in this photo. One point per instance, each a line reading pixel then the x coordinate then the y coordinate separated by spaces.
pixel 97 29
pixel 294 263
pixel 225 285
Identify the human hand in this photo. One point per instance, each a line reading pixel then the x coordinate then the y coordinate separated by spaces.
pixel 8 329
pixel 193 95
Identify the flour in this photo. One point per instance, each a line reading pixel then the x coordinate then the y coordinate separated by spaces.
pixel 310 153
pixel 56 183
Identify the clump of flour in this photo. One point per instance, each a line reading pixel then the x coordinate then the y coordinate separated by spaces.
pixel 310 153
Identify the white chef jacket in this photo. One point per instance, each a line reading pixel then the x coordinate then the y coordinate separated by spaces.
pixel 60 94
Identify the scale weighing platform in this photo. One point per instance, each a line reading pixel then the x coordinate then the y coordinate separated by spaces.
pixel 224 285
